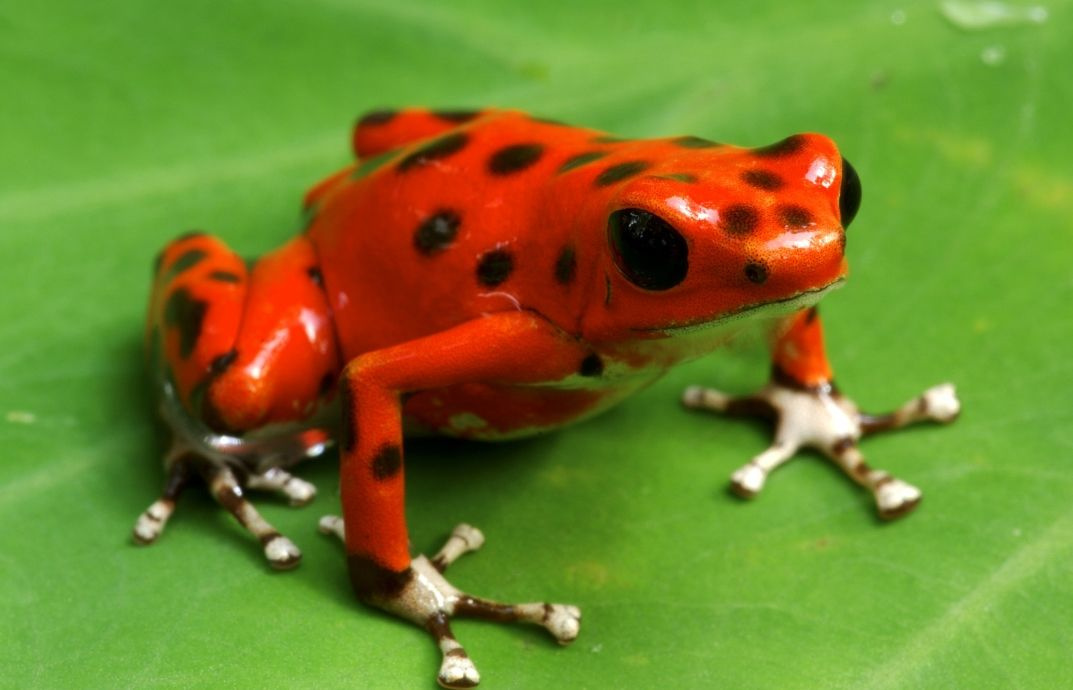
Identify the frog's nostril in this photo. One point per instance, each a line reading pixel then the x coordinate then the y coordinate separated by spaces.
pixel 756 272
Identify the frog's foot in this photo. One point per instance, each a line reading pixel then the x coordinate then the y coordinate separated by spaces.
pixel 422 595
pixel 230 465
pixel 820 417
pixel 225 487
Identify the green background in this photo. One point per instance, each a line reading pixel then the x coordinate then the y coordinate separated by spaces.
pixel 124 123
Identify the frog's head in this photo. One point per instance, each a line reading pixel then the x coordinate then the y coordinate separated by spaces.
pixel 707 233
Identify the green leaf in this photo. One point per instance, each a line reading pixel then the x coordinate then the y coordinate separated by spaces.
pixel 125 123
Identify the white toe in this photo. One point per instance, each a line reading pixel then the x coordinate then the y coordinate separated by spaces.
pixel 563 621
pixel 300 492
pixel 282 553
pixel 699 397
pixel 896 497
pixel 473 537
pixel 151 523
pixel 692 396
pixel 748 480
pixel 458 672
pixel 146 530
pixel 942 402
pixel 332 524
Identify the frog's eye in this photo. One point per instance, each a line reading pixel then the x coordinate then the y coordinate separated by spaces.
pixel 648 251
pixel 849 196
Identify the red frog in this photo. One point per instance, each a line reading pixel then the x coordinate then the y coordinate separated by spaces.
pixel 491 275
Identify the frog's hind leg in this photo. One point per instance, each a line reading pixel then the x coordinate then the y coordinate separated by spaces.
pixel 245 359
pixel 809 411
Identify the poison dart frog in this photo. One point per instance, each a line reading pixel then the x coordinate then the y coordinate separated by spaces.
pixel 490 275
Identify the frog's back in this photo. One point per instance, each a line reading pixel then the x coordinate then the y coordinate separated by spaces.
pixel 419 236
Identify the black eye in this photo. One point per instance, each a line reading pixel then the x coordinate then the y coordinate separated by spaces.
pixel 849 196
pixel 648 251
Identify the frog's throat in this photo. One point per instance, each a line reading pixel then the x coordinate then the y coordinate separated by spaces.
pixel 764 310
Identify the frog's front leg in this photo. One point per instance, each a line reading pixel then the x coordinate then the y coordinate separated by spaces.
pixel 515 348
pixel 809 411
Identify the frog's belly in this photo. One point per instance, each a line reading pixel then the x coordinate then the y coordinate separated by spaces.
pixel 488 412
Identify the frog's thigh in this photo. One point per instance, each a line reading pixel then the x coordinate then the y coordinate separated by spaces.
pixel 284 356
pixel 505 348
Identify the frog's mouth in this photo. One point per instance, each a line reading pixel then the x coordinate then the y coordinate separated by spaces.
pixel 763 310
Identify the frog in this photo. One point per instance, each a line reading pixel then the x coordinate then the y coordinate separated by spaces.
pixel 489 275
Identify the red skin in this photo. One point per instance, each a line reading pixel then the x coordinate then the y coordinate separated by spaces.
pixel 486 360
